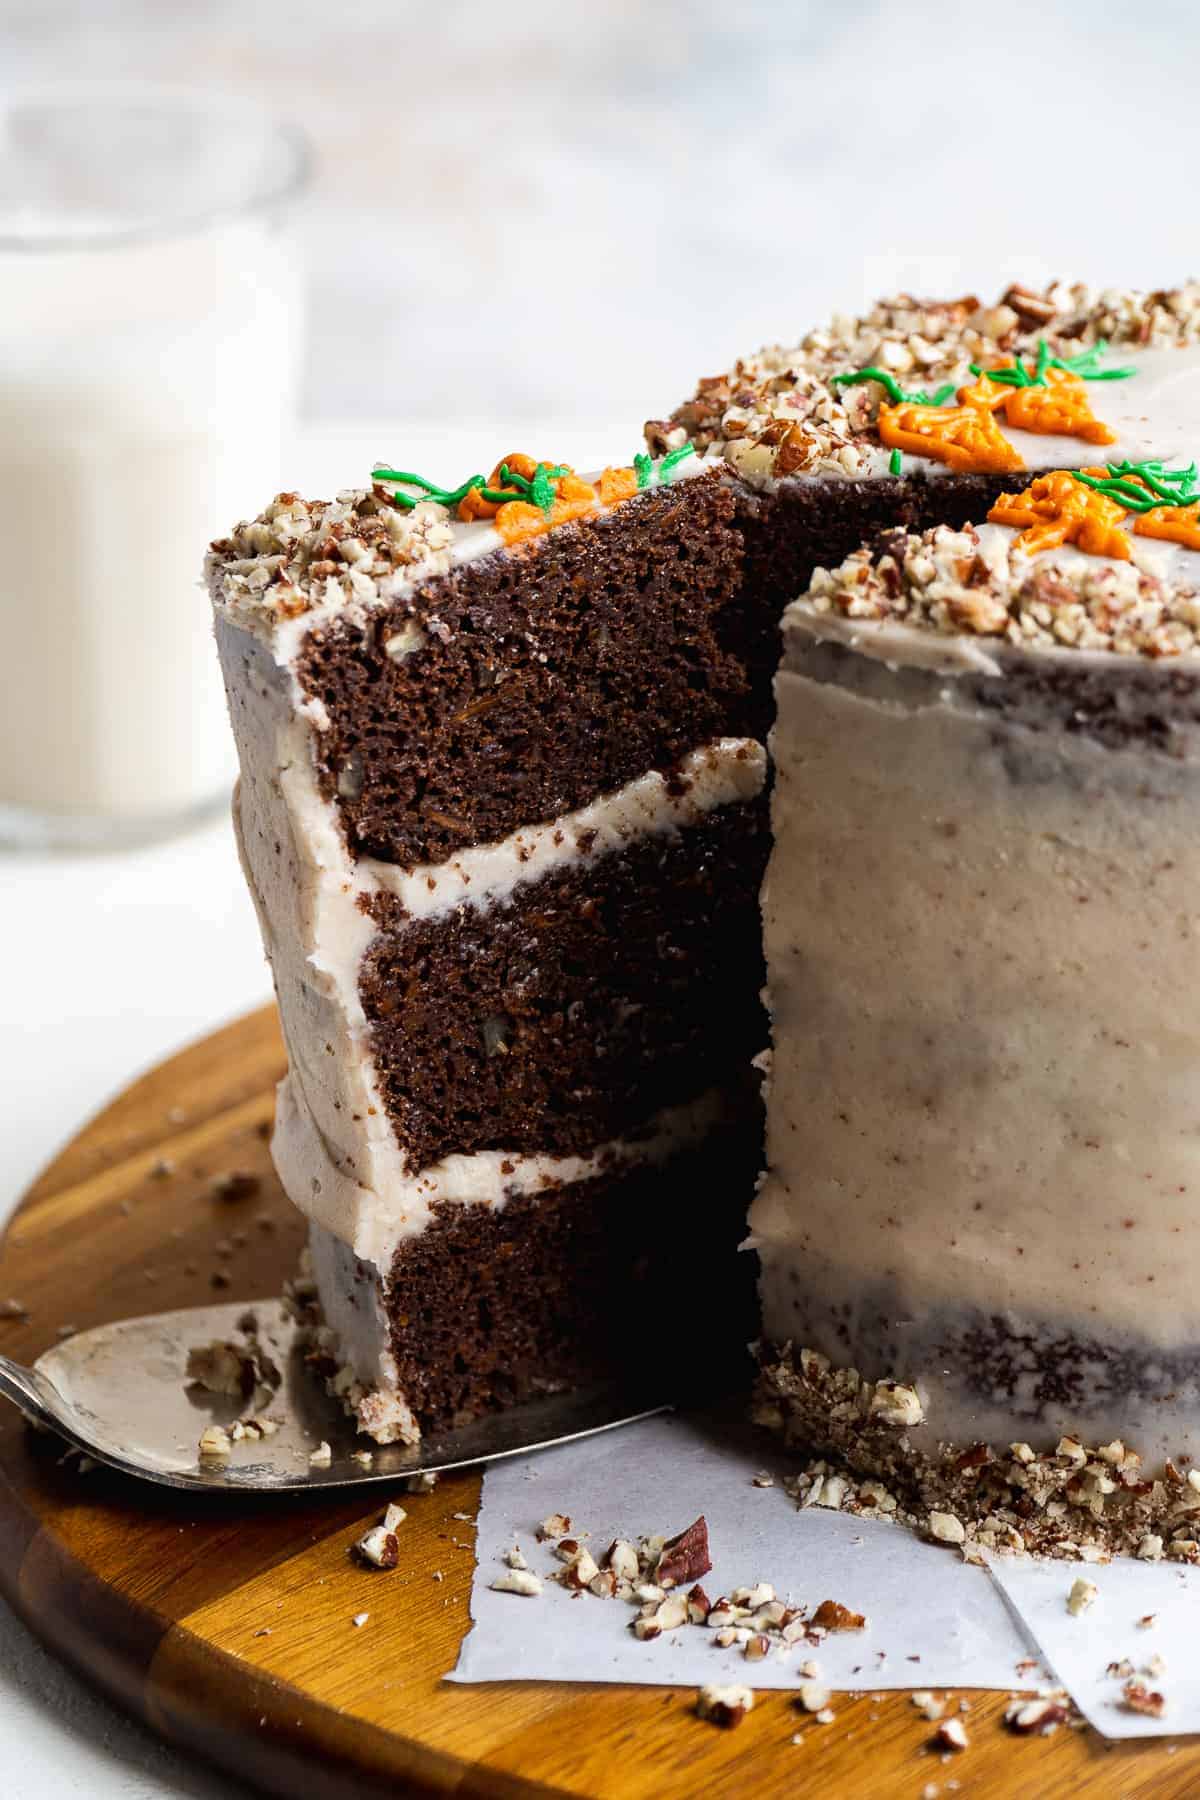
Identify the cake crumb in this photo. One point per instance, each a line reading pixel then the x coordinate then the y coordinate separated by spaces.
pixel 360 1619
pixel 238 1184
pixel 322 1456
pixel 234 1369
pixel 364 1458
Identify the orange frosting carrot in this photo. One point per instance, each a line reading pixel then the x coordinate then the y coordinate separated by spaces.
pixel 616 485
pixel 964 436
pixel 1056 509
pixel 1178 524
pixel 474 506
pixel 991 395
pixel 1059 409
pixel 520 519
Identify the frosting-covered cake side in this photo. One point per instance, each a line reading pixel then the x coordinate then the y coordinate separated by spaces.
pixel 977 1226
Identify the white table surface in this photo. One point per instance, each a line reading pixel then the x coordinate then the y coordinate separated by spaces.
pixel 166 949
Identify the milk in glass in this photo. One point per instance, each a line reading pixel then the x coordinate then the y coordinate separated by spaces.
pixel 148 350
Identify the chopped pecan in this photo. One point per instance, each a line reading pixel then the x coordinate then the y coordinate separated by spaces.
pixel 685 1557
pixel 831 1615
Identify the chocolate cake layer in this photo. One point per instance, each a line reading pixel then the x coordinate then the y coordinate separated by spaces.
pixel 592 1281
pixel 603 993
pixel 540 677
pixel 803 525
pixel 1152 706
pixel 520 686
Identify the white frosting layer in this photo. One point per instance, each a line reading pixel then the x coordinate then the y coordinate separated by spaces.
pixel 338 1157
pixel 720 774
pixel 375 1222
pixel 352 1305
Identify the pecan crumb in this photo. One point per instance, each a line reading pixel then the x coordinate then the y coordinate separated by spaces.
pixel 1140 1699
pixel 726 1706
pixel 831 1615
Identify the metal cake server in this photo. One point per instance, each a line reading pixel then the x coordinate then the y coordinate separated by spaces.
pixel 121 1394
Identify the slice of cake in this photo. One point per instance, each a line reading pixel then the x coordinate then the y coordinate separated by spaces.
pixel 502 813
pixel 982 937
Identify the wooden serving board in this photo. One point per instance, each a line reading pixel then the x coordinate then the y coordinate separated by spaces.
pixel 225 1623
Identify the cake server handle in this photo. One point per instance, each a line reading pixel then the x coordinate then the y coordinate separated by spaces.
pixel 23 1387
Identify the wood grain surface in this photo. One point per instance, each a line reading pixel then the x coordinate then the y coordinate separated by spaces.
pixel 226 1623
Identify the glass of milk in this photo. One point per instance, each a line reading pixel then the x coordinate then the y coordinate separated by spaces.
pixel 150 320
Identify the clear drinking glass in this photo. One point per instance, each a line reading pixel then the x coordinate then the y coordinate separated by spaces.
pixel 150 322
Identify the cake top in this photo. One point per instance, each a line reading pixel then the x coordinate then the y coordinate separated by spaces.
pixel 1106 558
pixel 1031 381
pixel 306 560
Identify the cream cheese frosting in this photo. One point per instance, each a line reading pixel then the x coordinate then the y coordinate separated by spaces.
pixel 981 923
pixel 782 414
pixel 374 1222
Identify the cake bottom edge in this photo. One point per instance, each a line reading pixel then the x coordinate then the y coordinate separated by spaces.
pixel 1075 1501
pixel 632 1276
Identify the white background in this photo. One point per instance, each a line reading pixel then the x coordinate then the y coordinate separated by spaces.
pixel 531 219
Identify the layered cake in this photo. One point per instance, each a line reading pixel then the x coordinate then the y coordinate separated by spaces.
pixel 502 810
